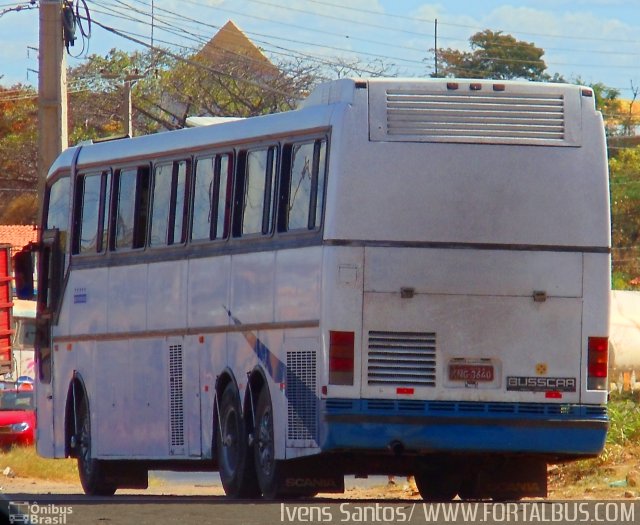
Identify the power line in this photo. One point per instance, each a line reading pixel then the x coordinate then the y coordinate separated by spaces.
pixel 188 61
pixel 323 46
pixel 474 27
pixel 418 63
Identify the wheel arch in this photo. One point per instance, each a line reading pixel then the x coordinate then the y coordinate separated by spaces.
pixel 76 392
pixel 257 380
pixel 225 378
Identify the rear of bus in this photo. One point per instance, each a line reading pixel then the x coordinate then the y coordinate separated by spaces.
pixel 466 277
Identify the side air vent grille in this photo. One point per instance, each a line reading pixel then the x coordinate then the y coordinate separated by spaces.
pixel 401 359
pixel 176 399
pixel 302 407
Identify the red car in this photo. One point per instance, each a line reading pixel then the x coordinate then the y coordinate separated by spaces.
pixel 17 417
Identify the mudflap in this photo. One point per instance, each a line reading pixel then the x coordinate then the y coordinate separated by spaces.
pixel 512 480
pixel 125 475
pixel 305 478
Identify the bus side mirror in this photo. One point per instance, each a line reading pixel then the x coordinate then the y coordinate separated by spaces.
pixel 23 271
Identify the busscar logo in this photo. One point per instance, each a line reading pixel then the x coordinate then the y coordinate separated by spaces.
pixel 541 384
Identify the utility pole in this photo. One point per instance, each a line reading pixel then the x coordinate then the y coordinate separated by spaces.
pixel 127 108
pixel 53 134
pixel 435 46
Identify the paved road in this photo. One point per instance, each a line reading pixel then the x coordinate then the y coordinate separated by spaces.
pixel 179 510
pixel 147 509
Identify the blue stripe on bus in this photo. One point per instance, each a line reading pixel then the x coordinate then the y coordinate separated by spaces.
pixel 424 426
pixel 299 395
pixel 273 366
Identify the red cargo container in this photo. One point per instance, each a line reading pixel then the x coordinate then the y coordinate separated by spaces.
pixel 5 309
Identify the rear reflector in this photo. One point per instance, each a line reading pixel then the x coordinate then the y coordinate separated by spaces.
pixel 598 363
pixel 341 346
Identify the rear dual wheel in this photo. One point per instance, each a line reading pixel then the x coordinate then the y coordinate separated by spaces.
pixel 248 471
pixel 235 457
pixel 267 468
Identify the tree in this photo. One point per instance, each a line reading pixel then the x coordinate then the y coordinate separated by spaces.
pixel 18 147
pixel 493 55
pixel 96 96
pixel 624 172
pixel 176 85
pixel 22 209
pixel 608 102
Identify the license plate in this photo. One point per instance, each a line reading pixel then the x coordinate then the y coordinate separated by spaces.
pixel 469 372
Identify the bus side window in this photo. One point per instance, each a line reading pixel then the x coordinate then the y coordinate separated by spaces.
pixel 89 212
pixel 257 197
pixel 302 186
pixel 129 222
pixel 57 207
pixel 169 205
pixel 180 202
pixel 160 204
pixel 203 191
pixel 105 206
pixel 319 182
pixel 212 197
pixel 224 195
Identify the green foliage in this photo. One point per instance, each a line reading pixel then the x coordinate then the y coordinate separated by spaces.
pixel 624 416
pixel 624 432
pixel 494 55
pixel 18 148
pixel 607 98
pixel 624 175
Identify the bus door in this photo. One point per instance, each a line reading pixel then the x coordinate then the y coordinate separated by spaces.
pixel 50 276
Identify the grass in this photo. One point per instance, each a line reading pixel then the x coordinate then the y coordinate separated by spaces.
pixel 26 463
pixel 624 415
pixel 621 452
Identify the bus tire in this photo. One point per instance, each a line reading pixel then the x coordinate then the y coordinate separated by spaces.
pixel 434 488
pixel 267 468
pixel 92 471
pixel 235 459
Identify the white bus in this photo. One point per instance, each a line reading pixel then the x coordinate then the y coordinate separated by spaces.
pixel 405 277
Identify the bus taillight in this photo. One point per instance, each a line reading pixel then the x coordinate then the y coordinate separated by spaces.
pixel 598 363
pixel 341 358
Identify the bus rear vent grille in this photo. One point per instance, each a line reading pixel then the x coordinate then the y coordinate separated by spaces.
pixel 401 358
pixel 487 117
pixel 176 397
pixel 302 408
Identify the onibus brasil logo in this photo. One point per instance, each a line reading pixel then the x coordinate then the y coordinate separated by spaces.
pixel 34 513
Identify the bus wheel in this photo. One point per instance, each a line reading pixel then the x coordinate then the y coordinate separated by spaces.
pixel 266 464
pixel 234 457
pixel 92 471
pixel 433 488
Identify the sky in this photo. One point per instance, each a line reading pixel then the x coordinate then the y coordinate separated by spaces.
pixel 593 40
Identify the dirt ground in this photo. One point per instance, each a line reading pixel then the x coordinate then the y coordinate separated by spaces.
pixel 617 482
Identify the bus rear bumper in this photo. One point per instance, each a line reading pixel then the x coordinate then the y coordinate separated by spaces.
pixel 424 427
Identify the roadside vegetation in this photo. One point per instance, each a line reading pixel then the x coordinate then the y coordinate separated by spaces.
pixel 24 462
pixel 615 472
pixel 624 171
